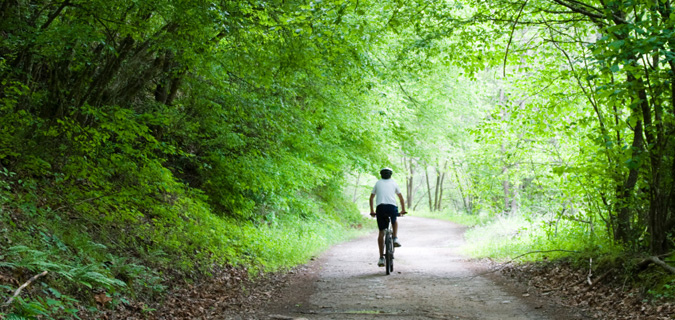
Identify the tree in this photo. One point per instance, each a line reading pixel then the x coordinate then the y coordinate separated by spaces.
pixel 618 54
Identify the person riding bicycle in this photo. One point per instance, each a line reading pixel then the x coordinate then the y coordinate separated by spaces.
pixel 386 191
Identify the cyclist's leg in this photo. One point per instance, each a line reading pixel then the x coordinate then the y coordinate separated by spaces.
pixel 394 225
pixel 393 214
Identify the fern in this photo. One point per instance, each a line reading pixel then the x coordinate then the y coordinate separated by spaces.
pixel 85 276
pixel 63 273
pixel 89 275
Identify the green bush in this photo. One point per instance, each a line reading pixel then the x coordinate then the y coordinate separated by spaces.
pixel 123 244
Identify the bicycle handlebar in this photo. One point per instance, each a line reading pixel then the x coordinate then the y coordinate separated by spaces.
pixel 372 214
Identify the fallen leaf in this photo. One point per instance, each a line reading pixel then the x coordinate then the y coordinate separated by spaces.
pixel 102 298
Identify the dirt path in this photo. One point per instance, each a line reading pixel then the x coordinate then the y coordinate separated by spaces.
pixel 431 280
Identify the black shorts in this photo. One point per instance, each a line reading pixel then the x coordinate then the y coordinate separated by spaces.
pixel 383 212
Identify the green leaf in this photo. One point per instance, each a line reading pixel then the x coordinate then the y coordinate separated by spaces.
pixel 617 44
pixel 558 170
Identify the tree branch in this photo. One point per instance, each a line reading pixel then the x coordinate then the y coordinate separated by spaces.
pixel 55 14
pixel 522 255
pixel 513 29
pixel 655 260
pixel 578 3
pixel 411 98
pixel 597 18
pixel 18 291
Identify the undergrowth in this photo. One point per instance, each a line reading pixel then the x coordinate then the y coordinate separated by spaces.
pixel 520 239
pixel 94 262
pixel 503 237
pixel 533 239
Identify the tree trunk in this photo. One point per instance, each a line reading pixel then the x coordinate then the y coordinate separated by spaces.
pixel 507 192
pixel 437 188
pixel 461 189
pixel 426 173
pixel 624 216
pixel 107 73
pixel 505 183
pixel 514 206
pixel 439 205
pixel 658 190
pixel 410 192
pixel 658 222
pixel 356 187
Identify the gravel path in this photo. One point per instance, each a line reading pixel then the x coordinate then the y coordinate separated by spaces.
pixel 431 280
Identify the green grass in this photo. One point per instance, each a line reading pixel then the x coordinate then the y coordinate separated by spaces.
pixel 508 237
pixel 469 220
pixel 292 240
pixel 505 237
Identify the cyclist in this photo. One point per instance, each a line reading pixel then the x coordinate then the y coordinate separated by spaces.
pixel 386 191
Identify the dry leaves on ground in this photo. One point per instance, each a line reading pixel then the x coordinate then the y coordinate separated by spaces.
pixel 229 291
pixel 605 297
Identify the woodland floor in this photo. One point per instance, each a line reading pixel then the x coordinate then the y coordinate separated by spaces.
pixel 431 280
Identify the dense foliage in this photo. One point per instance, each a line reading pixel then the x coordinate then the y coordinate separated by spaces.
pixel 142 140
pixel 603 123
pixel 571 107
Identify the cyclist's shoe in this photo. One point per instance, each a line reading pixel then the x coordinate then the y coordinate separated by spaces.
pixel 396 243
pixel 380 263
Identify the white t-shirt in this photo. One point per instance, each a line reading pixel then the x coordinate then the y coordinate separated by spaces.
pixel 385 191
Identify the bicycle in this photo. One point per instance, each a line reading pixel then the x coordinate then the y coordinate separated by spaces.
pixel 389 245
pixel 389 249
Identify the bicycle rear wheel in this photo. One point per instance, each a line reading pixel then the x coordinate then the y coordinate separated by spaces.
pixel 388 255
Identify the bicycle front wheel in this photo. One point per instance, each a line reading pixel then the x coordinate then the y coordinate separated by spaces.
pixel 391 263
pixel 391 257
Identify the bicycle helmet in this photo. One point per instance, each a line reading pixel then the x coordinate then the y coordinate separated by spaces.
pixel 386 173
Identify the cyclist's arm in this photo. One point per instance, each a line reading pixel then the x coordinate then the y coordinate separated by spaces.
pixel 372 211
pixel 400 197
